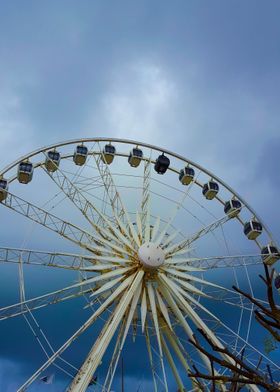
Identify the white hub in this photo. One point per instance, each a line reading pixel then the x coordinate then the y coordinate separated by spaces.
pixel 151 255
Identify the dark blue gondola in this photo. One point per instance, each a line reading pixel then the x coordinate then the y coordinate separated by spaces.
pixel 108 154
pixel 135 157
pixel 186 175
pixel 270 254
pixel 232 208
pixel 52 160
pixel 210 189
pixel 3 189
pixel 277 282
pixel 25 172
pixel 252 229
pixel 162 164
pixel 80 155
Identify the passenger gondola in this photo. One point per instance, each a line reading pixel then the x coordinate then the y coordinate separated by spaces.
pixel 277 282
pixel 25 172
pixel 186 175
pixel 252 229
pixel 210 189
pixel 162 164
pixel 80 155
pixel 52 161
pixel 3 189
pixel 108 154
pixel 232 208
pixel 270 254
pixel 135 157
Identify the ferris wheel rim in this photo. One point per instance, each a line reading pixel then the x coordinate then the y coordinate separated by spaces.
pixel 155 148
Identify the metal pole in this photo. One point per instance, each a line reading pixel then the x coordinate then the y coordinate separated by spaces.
pixel 122 377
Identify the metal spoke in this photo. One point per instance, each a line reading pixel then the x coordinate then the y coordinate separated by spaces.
pixel 121 340
pixel 83 377
pixel 172 365
pixel 54 297
pixel 179 351
pixel 146 201
pixel 83 328
pixel 198 321
pixel 118 208
pixel 152 301
pixel 193 278
pixel 163 309
pixel 143 309
pixel 174 249
pixel 221 261
pixel 93 215
pixel 151 359
pixel 52 222
pixel 178 314
pixel 70 261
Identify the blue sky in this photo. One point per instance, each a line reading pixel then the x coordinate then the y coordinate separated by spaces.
pixel 197 77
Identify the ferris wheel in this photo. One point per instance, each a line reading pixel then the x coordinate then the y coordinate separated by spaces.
pixel 146 244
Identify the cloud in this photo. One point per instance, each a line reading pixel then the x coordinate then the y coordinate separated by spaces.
pixel 138 102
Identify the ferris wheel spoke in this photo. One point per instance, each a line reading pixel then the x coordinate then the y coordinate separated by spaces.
pixel 151 359
pixel 83 377
pixel 191 299
pixel 185 276
pixel 114 361
pixel 172 365
pixel 190 287
pixel 151 295
pixel 197 320
pixel 121 340
pixel 143 309
pixel 54 223
pixel 118 207
pixel 93 215
pixel 178 314
pixel 146 201
pixel 83 328
pixel 177 347
pixel 171 219
pixel 206 263
pixel 57 296
pixel 249 345
pixel 139 226
pixel 174 249
pixel 163 309
pixel 180 352
pixel 70 261
pixel 226 261
pixel 169 239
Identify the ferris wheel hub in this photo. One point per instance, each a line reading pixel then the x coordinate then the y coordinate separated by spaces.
pixel 151 255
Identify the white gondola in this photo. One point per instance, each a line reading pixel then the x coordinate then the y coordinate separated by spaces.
pixel 210 189
pixel 232 208
pixel 186 175
pixel 108 154
pixel 3 189
pixel 135 157
pixel 52 160
pixel 80 155
pixel 252 229
pixel 162 164
pixel 25 172
pixel 270 254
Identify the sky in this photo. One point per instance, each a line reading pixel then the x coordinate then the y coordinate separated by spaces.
pixel 199 78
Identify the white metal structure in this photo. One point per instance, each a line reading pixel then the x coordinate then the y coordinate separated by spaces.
pixel 154 258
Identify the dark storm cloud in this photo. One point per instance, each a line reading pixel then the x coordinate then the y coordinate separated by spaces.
pixel 201 79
